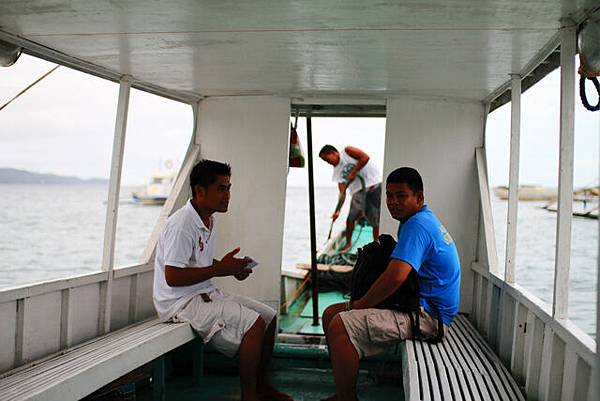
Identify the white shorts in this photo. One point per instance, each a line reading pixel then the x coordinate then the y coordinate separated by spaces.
pixel 223 322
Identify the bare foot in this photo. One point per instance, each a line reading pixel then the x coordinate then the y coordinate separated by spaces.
pixel 272 394
pixel 346 248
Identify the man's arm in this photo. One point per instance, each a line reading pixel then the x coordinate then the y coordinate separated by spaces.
pixel 390 280
pixel 228 266
pixel 341 200
pixel 361 160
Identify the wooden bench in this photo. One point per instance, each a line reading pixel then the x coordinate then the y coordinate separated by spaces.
pixel 76 372
pixel 462 367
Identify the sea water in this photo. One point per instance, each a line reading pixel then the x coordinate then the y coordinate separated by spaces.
pixel 49 232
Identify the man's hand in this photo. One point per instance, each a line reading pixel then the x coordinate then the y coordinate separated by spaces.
pixel 243 275
pixel 335 215
pixel 232 266
pixel 352 176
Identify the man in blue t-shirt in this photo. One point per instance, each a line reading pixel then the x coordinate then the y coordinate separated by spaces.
pixel 358 329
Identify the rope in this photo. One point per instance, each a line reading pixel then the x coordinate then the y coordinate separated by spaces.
pixel 29 87
pixel 583 95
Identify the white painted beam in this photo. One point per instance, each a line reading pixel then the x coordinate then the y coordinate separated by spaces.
pixel 486 210
pixel 565 178
pixel 513 183
pixel 112 208
pixel 179 193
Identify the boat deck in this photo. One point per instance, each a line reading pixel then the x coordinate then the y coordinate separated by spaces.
pixel 303 384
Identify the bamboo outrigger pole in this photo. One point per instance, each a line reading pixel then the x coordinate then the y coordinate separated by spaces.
pixel 29 87
pixel 314 278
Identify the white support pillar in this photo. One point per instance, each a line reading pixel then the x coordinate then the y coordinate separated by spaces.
pixel 596 368
pixel 568 38
pixel 513 182
pixel 112 208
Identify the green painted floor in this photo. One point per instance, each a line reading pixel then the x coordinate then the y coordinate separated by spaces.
pixel 302 384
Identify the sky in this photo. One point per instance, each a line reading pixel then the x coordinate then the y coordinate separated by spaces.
pixel 65 125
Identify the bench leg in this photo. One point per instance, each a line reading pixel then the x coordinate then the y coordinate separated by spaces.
pixel 158 379
pixel 198 361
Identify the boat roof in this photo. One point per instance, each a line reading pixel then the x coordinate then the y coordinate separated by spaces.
pixel 457 49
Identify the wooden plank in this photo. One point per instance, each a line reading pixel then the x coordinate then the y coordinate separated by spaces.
pixel 535 328
pixel 441 371
pixel 410 371
pixel 133 298
pixel 557 364
pixel 486 210
pixel 508 381
pixel 517 360
pixel 65 319
pixel 88 367
pixel 583 380
pixel 513 181
pixel 507 323
pixel 434 379
pixel 491 384
pixel 8 334
pixel 545 367
pixel 495 317
pixel 474 377
pixel 569 376
pixel 423 375
pixel 568 37
pixel 112 207
pixel 455 384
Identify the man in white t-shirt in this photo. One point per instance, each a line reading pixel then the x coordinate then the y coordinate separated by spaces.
pixel 353 170
pixel 183 291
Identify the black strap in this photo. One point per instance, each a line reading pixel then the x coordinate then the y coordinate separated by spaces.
pixel 583 95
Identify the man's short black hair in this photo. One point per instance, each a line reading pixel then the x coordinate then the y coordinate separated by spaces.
pixel 206 171
pixel 326 150
pixel 408 176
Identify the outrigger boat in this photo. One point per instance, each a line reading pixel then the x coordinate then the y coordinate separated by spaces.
pixel 434 69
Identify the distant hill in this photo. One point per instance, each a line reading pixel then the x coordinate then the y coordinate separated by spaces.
pixel 14 176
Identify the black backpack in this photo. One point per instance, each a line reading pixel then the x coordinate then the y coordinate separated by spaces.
pixel 372 261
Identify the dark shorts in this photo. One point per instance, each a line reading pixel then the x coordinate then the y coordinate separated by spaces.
pixel 368 203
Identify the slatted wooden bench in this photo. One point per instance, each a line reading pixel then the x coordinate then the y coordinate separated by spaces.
pixel 463 368
pixel 78 371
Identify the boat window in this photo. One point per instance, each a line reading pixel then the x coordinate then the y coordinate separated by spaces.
pixel 55 152
pixel 158 134
pixel 538 178
pixel 584 243
pixel 365 133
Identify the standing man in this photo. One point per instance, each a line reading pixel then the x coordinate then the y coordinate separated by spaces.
pixel 183 291
pixel 357 330
pixel 353 169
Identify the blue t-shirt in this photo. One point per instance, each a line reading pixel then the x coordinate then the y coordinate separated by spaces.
pixel 425 244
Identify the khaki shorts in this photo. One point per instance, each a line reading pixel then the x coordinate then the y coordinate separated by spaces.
pixel 223 322
pixel 371 331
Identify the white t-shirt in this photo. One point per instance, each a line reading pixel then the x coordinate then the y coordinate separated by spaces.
pixel 369 173
pixel 184 242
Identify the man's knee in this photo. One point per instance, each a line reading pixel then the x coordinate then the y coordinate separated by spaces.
pixel 330 312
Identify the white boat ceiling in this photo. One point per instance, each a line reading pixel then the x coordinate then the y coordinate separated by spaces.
pixel 458 49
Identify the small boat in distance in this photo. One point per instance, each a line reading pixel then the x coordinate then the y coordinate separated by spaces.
pixel 527 193
pixel 157 190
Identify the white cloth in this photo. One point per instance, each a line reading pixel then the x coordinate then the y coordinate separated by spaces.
pixel 184 242
pixel 369 173
pixel 223 322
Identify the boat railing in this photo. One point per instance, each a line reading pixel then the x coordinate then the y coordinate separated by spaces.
pixel 42 319
pixel 547 353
